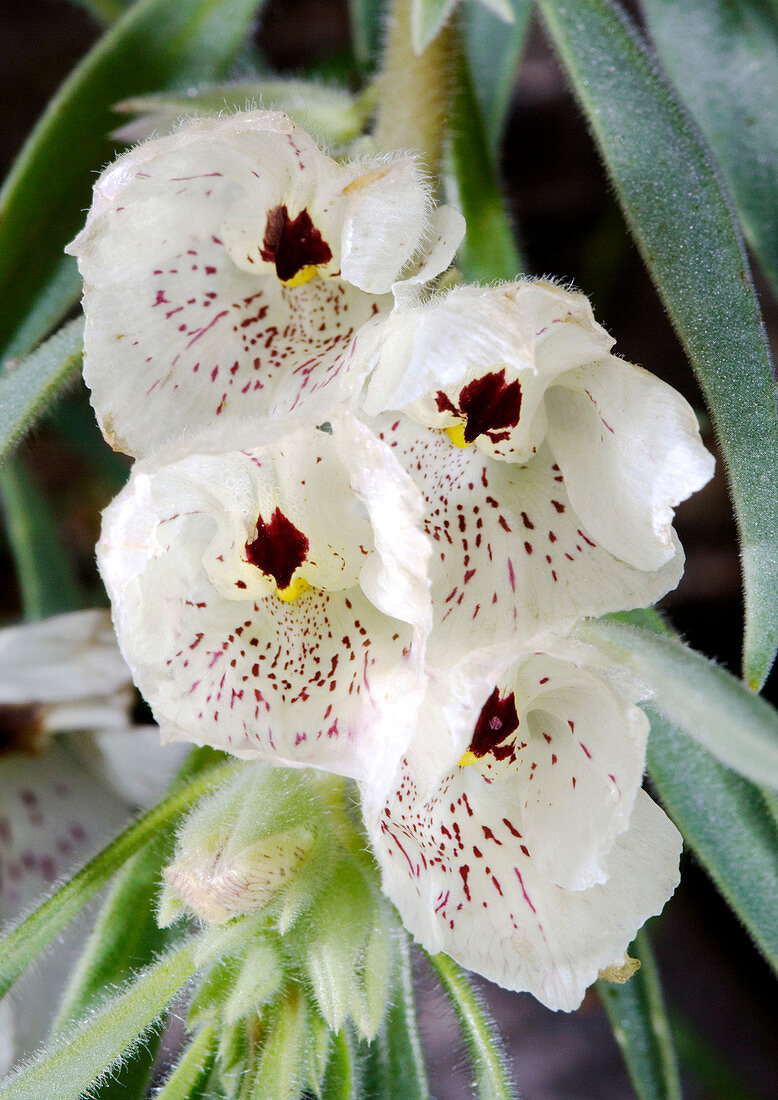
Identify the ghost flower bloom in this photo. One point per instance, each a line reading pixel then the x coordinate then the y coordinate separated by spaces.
pixel 72 772
pixel 228 267
pixel 273 602
pixel 518 840
pixel 550 467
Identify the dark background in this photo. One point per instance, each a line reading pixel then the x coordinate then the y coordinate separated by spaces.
pixel 720 993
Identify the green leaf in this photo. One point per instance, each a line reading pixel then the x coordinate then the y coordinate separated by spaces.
pixel 493 49
pixel 491 1073
pixel 723 59
pixel 331 113
pixel 80 1055
pixel 155 44
pixel 23 945
pixel 27 386
pixel 637 1014
pixel 45 574
pixel 489 250
pixel 669 189
pixel 709 704
pixel 281 1068
pixel 724 820
pixel 367 22
pixel 58 296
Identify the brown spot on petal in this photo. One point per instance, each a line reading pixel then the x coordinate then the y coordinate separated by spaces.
pixel 278 549
pixel 292 243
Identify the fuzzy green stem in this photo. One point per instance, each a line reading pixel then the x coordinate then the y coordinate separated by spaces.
pixel 415 91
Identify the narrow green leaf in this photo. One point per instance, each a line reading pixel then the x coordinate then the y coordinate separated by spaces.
pixel 724 820
pixel 22 945
pixel 27 386
pixel 79 1056
pixel 57 297
pixel 427 19
pixel 491 1073
pixel 489 250
pixel 191 1074
pixel 723 59
pixel 367 22
pixel 155 44
pixel 668 185
pixel 640 1026
pixel 45 574
pixel 280 1072
pixel 709 704
pixel 493 49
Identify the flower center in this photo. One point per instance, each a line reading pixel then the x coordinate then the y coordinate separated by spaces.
pixel 278 550
pixel 294 245
pixel 487 406
pixel 498 719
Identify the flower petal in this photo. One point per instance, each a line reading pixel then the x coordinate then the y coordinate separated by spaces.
pixel 227 268
pixel 630 450
pixel 239 598
pixel 458 869
pixel 513 563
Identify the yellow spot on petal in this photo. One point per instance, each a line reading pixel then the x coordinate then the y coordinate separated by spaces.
pixel 620 971
pixel 468 758
pixel 292 591
pixel 304 275
pixel 456 433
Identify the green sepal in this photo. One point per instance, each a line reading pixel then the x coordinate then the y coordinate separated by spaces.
pixel 341 1079
pixel 319 1046
pixel 259 979
pixel 669 188
pixel 213 990
pixel 638 1017
pixel 333 942
pixel 190 1075
pixel 283 1062
pixel 395 1066
pixel 27 386
pixel 331 114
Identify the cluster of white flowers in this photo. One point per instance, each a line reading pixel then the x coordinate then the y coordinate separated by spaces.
pixel 364 519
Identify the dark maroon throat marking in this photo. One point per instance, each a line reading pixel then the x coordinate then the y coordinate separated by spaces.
pixel 488 404
pixel 498 719
pixel 278 548
pixel 292 243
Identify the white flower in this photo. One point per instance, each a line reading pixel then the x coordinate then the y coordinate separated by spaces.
pixel 550 468
pixel 274 602
pixel 72 772
pixel 228 267
pixel 522 845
